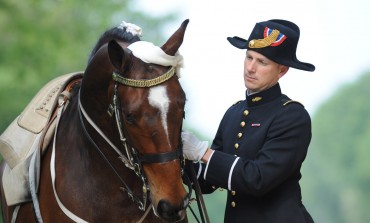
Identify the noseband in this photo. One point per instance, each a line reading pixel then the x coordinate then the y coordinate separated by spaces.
pixel 132 159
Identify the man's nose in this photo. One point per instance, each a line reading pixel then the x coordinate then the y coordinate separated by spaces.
pixel 250 66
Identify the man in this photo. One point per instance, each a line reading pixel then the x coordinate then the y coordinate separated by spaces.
pixel 261 141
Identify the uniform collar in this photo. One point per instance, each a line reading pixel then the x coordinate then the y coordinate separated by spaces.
pixel 264 97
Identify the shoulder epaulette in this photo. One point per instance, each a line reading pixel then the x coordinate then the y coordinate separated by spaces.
pixel 286 102
pixel 237 102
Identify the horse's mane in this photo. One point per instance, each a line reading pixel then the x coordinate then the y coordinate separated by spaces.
pixel 117 33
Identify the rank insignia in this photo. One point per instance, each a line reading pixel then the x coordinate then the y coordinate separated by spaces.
pixel 256 99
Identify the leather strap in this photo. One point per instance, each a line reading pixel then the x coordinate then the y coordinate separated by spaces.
pixel 66 211
pixel 159 157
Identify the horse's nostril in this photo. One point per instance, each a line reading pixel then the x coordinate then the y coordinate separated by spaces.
pixel 170 212
pixel 163 207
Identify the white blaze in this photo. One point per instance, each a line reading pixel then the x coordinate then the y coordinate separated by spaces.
pixel 158 98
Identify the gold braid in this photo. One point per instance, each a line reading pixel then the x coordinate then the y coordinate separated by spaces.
pixel 142 83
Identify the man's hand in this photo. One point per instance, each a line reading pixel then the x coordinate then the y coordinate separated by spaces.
pixel 193 148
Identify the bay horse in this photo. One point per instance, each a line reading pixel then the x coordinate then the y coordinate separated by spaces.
pixel 116 153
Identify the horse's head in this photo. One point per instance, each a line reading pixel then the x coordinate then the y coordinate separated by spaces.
pixel 147 102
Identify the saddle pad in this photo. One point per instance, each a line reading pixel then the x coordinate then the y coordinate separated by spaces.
pixel 22 138
pixel 16 141
pixel 35 116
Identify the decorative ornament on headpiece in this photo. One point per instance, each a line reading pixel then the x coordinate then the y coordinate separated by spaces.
pixel 149 53
pixel 131 28
pixel 272 37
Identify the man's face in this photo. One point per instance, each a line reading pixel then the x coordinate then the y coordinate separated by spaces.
pixel 261 73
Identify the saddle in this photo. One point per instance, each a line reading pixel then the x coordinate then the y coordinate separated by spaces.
pixel 31 131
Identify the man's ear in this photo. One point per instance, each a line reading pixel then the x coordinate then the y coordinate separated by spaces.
pixel 283 70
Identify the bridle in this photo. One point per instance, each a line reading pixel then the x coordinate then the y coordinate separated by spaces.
pixel 132 160
pixel 131 157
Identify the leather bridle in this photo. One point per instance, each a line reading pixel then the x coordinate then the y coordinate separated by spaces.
pixel 131 157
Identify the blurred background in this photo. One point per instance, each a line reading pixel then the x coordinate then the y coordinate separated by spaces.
pixel 41 39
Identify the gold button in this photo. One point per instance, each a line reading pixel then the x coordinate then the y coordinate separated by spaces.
pixel 242 124
pixel 233 204
pixel 233 192
pixel 240 135
pixel 236 145
pixel 246 112
pixel 251 43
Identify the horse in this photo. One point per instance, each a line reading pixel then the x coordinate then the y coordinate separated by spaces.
pixel 116 153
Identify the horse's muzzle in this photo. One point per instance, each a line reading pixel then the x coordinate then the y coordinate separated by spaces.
pixel 172 213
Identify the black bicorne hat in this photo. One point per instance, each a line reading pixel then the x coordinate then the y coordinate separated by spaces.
pixel 275 39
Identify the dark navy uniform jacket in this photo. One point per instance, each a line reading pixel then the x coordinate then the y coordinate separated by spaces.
pixel 259 149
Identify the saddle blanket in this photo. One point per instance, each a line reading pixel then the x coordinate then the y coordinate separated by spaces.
pixel 23 137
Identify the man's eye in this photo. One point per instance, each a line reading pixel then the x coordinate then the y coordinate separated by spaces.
pixel 263 62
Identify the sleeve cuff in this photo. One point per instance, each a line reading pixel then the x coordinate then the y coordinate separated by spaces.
pixel 231 173
pixel 200 167
pixel 209 160
pixel 220 168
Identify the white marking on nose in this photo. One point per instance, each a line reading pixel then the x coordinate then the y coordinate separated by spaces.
pixel 158 98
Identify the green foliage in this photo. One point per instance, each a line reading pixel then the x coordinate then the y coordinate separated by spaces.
pixel 42 39
pixel 337 168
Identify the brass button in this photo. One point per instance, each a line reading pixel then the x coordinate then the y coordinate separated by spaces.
pixel 233 204
pixel 236 145
pixel 240 135
pixel 246 112
pixel 242 124
pixel 233 192
pixel 251 44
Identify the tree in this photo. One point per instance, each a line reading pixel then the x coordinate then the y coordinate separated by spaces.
pixel 336 174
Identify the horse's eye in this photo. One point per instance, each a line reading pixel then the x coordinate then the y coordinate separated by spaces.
pixel 130 119
pixel 150 68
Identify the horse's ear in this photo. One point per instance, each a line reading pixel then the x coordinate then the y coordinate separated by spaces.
pixel 117 55
pixel 175 41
